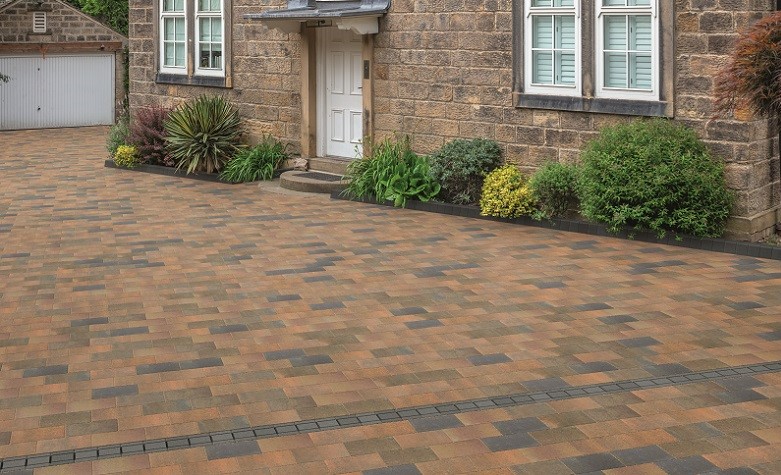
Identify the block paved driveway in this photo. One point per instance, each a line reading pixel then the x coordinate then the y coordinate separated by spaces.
pixel 136 307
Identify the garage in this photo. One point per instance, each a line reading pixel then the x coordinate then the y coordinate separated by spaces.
pixel 65 68
pixel 57 91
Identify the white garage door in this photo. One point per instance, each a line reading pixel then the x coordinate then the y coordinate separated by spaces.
pixel 56 91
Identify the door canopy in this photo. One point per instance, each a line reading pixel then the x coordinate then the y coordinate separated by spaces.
pixel 359 16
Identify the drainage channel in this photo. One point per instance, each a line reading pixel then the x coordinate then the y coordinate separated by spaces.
pixel 314 425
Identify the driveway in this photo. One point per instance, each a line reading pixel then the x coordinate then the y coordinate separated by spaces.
pixel 168 325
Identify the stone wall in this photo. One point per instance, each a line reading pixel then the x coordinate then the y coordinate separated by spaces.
pixel 444 69
pixel 64 24
pixel 266 82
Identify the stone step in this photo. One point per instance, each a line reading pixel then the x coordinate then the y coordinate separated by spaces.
pixel 329 165
pixel 313 181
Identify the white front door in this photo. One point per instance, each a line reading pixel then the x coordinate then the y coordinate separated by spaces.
pixel 340 96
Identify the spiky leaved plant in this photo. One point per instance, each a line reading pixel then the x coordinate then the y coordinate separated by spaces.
pixel 203 134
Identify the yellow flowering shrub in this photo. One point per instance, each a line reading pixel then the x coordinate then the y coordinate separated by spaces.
pixel 126 156
pixel 506 194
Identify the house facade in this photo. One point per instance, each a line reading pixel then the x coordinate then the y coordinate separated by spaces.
pixel 541 77
pixel 65 68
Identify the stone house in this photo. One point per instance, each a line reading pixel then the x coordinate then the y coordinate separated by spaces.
pixel 541 77
pixel 66 69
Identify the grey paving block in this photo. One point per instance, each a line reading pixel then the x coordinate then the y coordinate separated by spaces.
pixel 89 321
pixel 116 391
pixel 638 342
pixel 236 328
pixel 283 354
pixel 693 464
pixel 616 319
pixel 593 367
pixel 494 358
pixel 641 455
pixel 416 325
pixel 407 469
pixel 45 371
pixel 310 360
pixel 201 363
pixel 592 463
pixel 518 440
pixel 232 449
pixel 516 426
pixel 408 311
pixel 431 423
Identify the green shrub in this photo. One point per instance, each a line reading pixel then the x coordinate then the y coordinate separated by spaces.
pixel 506 194
pixel 555 188
pixel 118 134
pixel 393 172
pixel 203 134
pixel 461 166
pixel 654 175
pixel 256 163
pixel 126 156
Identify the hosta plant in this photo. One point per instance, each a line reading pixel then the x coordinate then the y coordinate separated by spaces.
pixel 256 163
pixel 203 134
pixel 506 194
pixel 392 172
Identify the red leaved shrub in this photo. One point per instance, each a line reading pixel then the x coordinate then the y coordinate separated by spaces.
pixel 147 134
pixel 752 79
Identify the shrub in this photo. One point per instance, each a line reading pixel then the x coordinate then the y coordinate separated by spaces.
pixel 256 163
pixel 506 194
pixel 555 188
pixel 147 134
pixel 654 175
pixel 118 133
pixel 203 134
pixel 751 78
pixel 393 172
pixel 461 166
pixel 126 156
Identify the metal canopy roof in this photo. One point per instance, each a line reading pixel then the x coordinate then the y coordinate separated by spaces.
pixel 360 16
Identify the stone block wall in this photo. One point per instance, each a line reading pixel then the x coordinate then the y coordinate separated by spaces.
pixel 64 24
pixel 266 81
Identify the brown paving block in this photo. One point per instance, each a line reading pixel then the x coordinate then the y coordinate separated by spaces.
pixel 458 449
pixel 642 469
pixel 121 464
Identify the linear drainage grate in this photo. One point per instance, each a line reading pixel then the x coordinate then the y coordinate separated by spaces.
pixel 262 432
pixel 330 177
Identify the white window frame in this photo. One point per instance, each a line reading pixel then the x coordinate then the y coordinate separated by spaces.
pixel 168 15
pixel 220 72
pixel 551 89
pixel 627 93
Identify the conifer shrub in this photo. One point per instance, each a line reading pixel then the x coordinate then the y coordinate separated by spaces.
pixel 654 175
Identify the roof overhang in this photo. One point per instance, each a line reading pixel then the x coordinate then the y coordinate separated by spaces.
pixel 359 16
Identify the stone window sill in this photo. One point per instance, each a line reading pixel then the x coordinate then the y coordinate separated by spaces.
pixel 594 105
pixel 206 81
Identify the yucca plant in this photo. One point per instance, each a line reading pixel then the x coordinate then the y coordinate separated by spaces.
pixel 203 134
pixel 256 163
pixel 752 78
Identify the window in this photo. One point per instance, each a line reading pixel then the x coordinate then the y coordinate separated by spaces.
pixel 194 42
pixel 173 30
pixel 553 36
pixel 589 54
pixel 209 21
pixel 626 49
